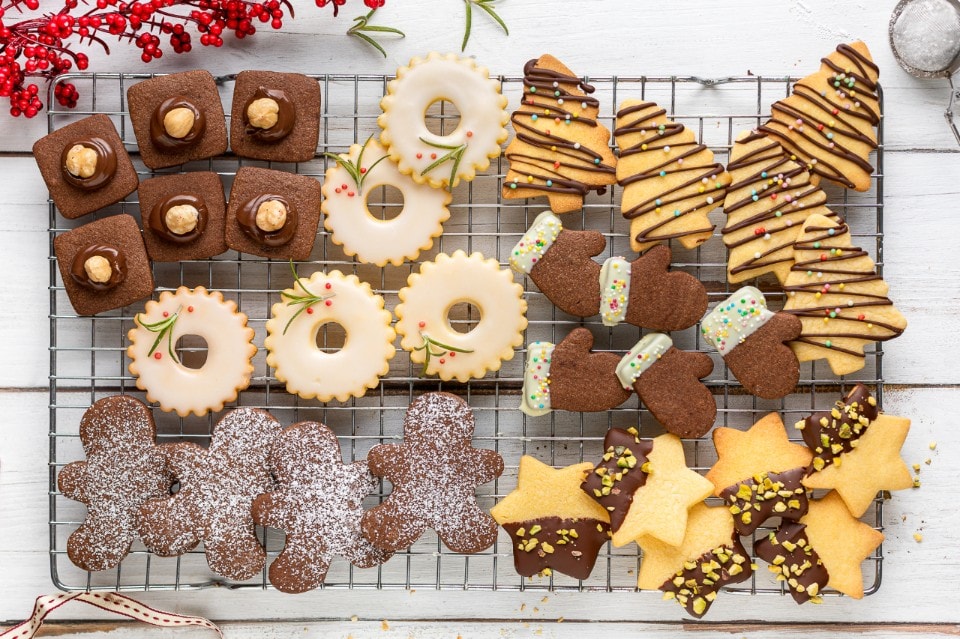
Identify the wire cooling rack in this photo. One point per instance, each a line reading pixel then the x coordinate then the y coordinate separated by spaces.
pixel 87 359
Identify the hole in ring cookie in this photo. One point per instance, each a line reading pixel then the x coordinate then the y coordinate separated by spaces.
pixel 384 202
pixel 463 316
pixel 442 117
pixel 331 336
pixel 192 351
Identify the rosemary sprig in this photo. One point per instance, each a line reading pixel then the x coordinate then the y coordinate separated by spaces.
pixel 355 169
pixel 455 154
pixel 486 5
pixel 362 27
pixel 163 328
pixel 428 346
pixel 303 301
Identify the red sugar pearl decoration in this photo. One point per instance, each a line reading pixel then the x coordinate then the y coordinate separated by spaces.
pixel 328 286
pixel 309 310
pixel 422 324
pixel 189 309
pixel 328 303
pixel 157 356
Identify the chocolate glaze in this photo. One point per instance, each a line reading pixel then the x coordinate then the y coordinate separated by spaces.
pixel 831 433
pixel 573 556
pixel 692 586
pixel 794 561
pixel 104 171
pixel 622 481
pixel 158 217
pixel 286 116
pixel 158 134
pixel 834 274
pixel 696 173
pixel 113 254
pixel 247 217
pixel 774 495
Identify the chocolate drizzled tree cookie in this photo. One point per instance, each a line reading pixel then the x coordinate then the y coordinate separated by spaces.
pixel 842 302
pixel 560 149
pixel 668 381
pixel 123 469
pixel 217 487
pixel 670 181
pixel 769 198
pixel 829 122
pixel 709 557
pixel 318 503
pixel 856 450
pixel 435 473
pixel 552 524
pixel 753 343
pixel 759 473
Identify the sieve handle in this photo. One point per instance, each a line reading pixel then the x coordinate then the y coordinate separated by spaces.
pixel 949 114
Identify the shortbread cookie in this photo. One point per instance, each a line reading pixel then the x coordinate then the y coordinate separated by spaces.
pixel 828 538
pixel 829 122
pixel 424 326
pixel 275 116
pixel 619 474
pixel 317 503
pixel 856 450
pixel 291 342
pixel 769 198
pixel 434 473
pixel 158 369
pixel 670 181
pixel 694 570
pixel 841 301
pixel 759 473
pixel 346 190
pixel 217 487
pixel 752 341
pixel 552 524
pixel 443 160
pixel 123 469
pixel 668 382
pixel 569 376
pixel 560 149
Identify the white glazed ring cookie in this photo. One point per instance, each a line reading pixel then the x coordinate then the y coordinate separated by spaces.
pixel 346 187
pixel 292 337
pixel 443 160
pixel 424 324
pixel 159 371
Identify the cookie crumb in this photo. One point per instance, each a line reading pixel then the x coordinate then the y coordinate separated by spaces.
pixel 933 445
pixel 354 619
pixel 559 619
pixel 545 600
pixel 916 482
pixel 916 468
pixel 384 625
pixel 523 607
pixel 927 461
pixel 917 537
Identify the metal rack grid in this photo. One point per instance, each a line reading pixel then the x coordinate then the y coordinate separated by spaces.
pixel 87 359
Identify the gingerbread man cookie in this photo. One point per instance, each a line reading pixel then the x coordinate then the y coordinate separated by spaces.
pixel 435 473
pixel 124 468
pixel 217 487
pixel 318 502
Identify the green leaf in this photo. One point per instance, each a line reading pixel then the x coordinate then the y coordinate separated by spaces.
pixel 487 7
pixel 362 27
pixel 466 31
pixel 484 4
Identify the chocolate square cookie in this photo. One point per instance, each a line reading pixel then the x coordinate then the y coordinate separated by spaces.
pixel 85 166
pixel 177 118
pixel 104 264
pixel 183 216
pixel 275 116
pixel 273 214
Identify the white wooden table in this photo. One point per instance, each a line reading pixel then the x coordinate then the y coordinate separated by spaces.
pixel 598 37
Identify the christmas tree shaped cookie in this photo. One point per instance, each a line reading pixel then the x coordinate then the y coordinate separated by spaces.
pixel 829 121
pixel 670 181
pixel 769 198
pixel 560 149
pixel 842 302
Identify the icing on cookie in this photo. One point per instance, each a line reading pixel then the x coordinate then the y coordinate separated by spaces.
pixel 535 242
pixel 370 239
pixel 443 160
pixel 536 379
pixel 614 290
pixel 735 319
pixel 157 368
pixel 642 356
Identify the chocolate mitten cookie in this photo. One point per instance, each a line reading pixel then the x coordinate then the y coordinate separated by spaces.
pixel 659 299
pixel 217 487
pixel 434 472
pixel 560 263
pixel 752 341
pixel 668 381
pixel 318 503
pixel 124 468
pixel 558 376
